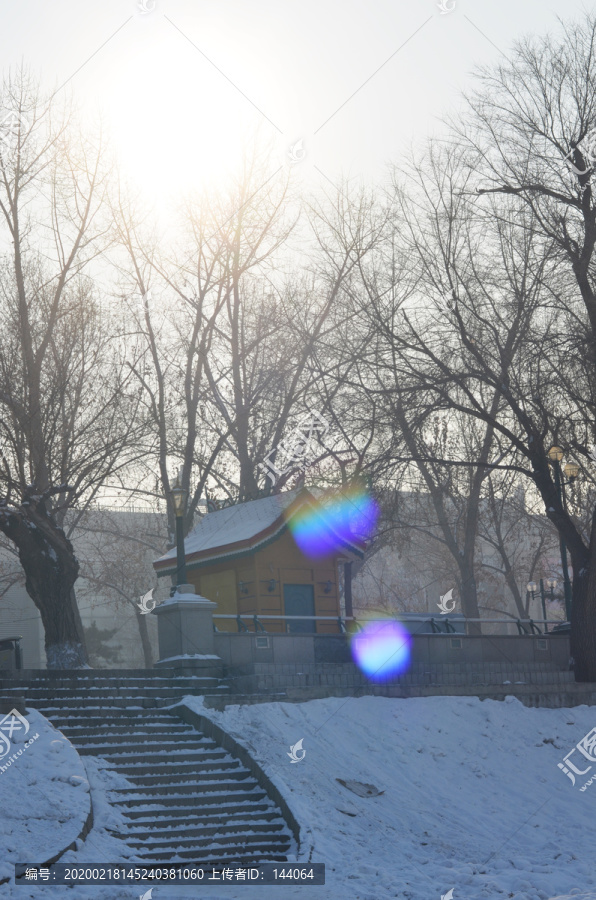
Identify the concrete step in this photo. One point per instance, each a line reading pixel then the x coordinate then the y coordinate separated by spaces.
pixel 91 675
pixel 187 836
pixel 145 763
pixel 235 855
pixel 124 715
pixel 90 693
pixel 233 793
pixel 104 698
pixel 75 681
pixel 208 782
pixel 134 724
pixel 185 782
pixel 106 705
pixel 133 756
pixel 178 775
pixel 188 824
pixel 173 816
pixel 114 734
pixel 208 761
pixel 149 738
pixel 107 689
pixel 221 838
pixel 131 749
pixel 142 728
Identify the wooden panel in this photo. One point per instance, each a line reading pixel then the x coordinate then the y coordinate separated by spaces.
pixel 327 628
pixel 220 587
pixel 326 609
pixel 246 575
pixel 247 605
pixel 297 576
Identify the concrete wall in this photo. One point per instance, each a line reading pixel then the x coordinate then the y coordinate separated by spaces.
pixel 287 649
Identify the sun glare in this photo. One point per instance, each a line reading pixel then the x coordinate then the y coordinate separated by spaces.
pixel 176 124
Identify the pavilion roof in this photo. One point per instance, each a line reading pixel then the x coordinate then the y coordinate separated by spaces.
pixel 240 530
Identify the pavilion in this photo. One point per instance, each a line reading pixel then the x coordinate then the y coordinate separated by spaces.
pixel 245 558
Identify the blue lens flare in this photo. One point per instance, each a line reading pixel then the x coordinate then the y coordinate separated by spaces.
pixel 353 515
pixel 381 649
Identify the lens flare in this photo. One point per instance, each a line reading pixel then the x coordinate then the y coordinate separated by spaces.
pixel 381 649
pixel 353 515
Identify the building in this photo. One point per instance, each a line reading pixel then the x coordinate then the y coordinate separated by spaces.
pixel 246 559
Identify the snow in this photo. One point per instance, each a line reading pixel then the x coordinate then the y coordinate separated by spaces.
pixel 191 656
pixel 470 799
pixel 44 792
pixel 473 799
pixel 180 599
pixel 234 523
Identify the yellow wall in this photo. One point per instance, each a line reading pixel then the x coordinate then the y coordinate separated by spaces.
pixel 220 587
pixel 282 561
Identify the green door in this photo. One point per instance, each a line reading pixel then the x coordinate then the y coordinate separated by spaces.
pixel 299 600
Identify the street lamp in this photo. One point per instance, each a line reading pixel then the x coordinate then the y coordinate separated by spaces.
pixel 531 589
pixel 551 584
pixel 571 470
pixel 179 497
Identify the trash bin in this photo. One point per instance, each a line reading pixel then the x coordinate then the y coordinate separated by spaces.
pixel 10 653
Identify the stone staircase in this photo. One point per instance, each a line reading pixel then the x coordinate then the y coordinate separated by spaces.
pixel 188 799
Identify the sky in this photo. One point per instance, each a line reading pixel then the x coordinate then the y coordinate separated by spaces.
pixel 332 88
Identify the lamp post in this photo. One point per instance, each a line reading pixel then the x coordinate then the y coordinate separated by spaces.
pixel 543 599
pixel 571 470
pixel 179 498
pixel 551 584
pixel 531 589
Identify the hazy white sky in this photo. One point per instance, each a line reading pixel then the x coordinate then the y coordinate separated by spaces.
pixel 182 86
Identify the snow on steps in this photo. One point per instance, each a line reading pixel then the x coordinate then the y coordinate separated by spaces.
pixel 184 796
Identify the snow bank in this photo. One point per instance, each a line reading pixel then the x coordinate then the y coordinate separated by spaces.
pixel 44 796
pixel 471 799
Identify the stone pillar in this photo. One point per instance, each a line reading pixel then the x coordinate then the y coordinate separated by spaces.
pixel 185 633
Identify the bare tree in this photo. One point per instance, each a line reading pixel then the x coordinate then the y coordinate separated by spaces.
pixel 209 334
pixel 405 426
pixel 116 551
pixel 66 418
pixel 527 172
pixel 520 540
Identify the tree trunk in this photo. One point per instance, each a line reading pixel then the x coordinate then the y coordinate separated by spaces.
pixel 469 596
pixel 145 642
pixel 583 611
pixel 51 569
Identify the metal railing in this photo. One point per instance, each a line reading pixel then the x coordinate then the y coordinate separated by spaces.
pixel 524 626
pixel 259 627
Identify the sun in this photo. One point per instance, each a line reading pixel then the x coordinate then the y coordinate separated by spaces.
pixel 176 124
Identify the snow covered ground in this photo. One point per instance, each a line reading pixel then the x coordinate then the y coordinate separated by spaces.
pixel 44 794
pixel 471 800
